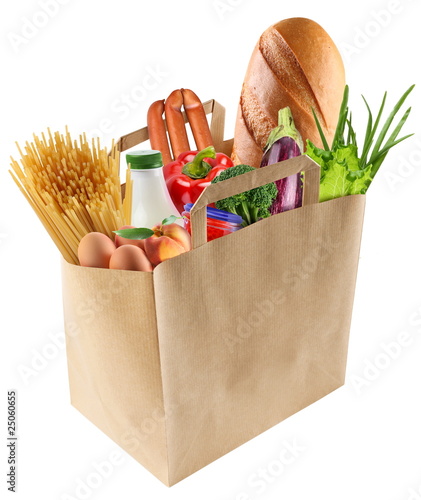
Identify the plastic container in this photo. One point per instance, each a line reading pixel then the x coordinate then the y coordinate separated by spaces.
pixel 151 201
pixel 219 222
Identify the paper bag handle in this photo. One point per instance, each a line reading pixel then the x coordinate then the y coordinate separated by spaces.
pixel 250 180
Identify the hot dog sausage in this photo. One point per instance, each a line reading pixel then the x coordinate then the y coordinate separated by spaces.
pixel 157 132
pixel 197 118
pixel 175 123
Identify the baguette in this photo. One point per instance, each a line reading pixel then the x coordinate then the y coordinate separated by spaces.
pixel 295 64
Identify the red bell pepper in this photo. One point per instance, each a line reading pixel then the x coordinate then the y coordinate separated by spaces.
pixel 192 172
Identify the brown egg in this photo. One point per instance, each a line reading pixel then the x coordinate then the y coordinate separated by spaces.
pixel 130 258
pixel 119 240
pixel 95 250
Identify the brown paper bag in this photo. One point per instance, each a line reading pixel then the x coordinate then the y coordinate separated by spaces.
pixel 182 365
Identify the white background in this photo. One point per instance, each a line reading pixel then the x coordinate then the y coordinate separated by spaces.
pixel 359 442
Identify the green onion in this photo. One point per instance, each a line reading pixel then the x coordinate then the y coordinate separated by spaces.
pixel 371 155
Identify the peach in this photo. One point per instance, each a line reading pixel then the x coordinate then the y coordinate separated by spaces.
pixel 119 240
pixel 168 241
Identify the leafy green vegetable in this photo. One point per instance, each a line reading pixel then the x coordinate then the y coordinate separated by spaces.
pixel 251 205
pixel 343 172
pixel 340 174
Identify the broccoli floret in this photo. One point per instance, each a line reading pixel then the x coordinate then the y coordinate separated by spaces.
pixel 251 205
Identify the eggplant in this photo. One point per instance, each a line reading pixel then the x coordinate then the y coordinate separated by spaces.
pixel 285 142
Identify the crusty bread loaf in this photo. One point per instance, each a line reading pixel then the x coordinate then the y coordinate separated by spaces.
pixel 295 64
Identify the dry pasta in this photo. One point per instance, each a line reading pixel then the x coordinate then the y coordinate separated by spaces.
pixel 127 203
pixel 73 187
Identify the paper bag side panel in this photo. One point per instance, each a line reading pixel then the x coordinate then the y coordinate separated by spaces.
pixel 254 327
pixel 113 359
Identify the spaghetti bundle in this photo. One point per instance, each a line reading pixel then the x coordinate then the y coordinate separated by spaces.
pixel 128 196
pixel 73 186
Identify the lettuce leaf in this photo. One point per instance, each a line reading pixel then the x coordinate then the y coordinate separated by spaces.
pixel 339 172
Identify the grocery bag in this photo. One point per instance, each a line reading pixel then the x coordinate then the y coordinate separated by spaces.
pixel 183 364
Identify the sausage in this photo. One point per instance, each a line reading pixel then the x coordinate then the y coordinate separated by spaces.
pixel 175 123
pixel 157 132
pixel 197 118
